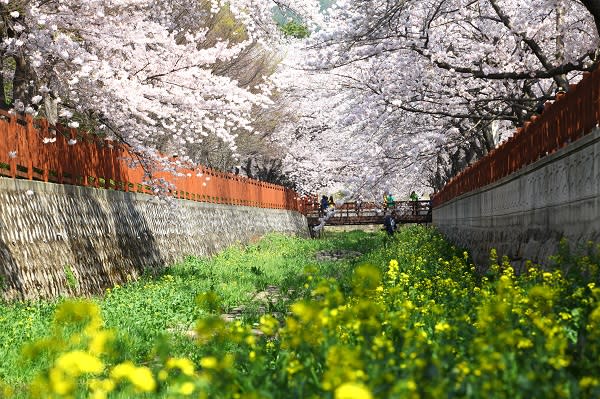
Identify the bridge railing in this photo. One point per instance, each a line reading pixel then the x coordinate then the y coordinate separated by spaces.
pixel 372 212
pixel 31 149
pixel 569 117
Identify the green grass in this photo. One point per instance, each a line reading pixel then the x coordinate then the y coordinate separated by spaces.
pixel 409 318
pixel 156 309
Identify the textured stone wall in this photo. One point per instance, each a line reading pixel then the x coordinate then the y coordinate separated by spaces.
pixel 525 215
pixel 65 240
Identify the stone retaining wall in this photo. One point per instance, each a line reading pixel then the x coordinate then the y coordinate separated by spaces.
pixel 65 240
pixel 525 215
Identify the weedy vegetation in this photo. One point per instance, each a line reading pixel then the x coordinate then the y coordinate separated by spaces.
pixel 408 319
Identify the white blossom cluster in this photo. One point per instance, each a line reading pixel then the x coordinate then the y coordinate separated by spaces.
pixel 142 68
pixel 397 86
pixel 383 92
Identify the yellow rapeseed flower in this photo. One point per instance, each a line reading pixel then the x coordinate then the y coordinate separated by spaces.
pixel 250 340
pixel 442 326
pixel 293 367
pixel 209 362
pixel 185 365
pixel 98 342
pixel 140 377
pixel 587 382
pixel 524 343
pixel 187 388
pixel 60 383
pixel 352 390
pixel 565 316
pixel 268 324
pixel 79 362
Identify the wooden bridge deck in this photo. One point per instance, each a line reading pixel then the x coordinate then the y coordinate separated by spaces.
pixel 372 213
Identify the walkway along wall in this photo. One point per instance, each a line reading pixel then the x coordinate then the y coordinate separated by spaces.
pixel 525 214
pixel 68 240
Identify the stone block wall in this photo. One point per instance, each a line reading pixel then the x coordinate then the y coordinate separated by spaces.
pixel 525 215
pixel 66 240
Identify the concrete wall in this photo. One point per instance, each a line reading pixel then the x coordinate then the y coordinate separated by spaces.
pixel 525 215
pixel 50 233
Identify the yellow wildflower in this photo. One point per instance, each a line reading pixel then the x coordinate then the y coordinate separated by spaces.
pixel 59 383
pixel 98 342
pixel 185 365
pixel 209 362
pixel 442 326
pixel 351 390
pixel 140 377
pixel 100 388
pixel 268 324
pixel 163 375
pixel 293 367
pixel 587 382
pixel 524 343
pixel 187 388
pixel 79 362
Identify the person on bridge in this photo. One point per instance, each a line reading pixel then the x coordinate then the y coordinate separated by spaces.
pixel 414 198
pixel 358 206
pixel 331 202
pixel 389 222
pixel 390 202
pixel 324 204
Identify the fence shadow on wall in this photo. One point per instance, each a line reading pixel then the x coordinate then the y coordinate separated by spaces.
pixel 9 276
pixel 31 149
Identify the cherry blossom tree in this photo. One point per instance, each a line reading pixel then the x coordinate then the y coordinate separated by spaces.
pixel 158 75
pixel 384 95
pixel 432 85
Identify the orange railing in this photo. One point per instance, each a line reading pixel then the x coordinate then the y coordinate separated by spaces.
pixel 571 116
pixel 85 160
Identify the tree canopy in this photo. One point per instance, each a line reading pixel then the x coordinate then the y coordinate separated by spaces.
pixel 365 96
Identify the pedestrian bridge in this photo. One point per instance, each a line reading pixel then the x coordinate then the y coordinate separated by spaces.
pixel 362 213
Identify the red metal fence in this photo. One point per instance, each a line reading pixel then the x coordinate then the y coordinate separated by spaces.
pixel 571 116
pixel 85 160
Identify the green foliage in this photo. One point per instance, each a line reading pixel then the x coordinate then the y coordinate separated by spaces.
pixel 295 29
pixel 70 276
pixel 411 319
pixel 8 69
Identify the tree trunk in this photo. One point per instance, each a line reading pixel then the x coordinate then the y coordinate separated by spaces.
pixel 561 80
pixel 21 87
pixel 2 93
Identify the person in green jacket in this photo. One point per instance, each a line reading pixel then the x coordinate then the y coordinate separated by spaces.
pixel 414 198
pixel 390 201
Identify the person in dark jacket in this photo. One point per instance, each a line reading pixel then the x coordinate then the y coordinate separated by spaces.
pixel 389 222
pixel 324 204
